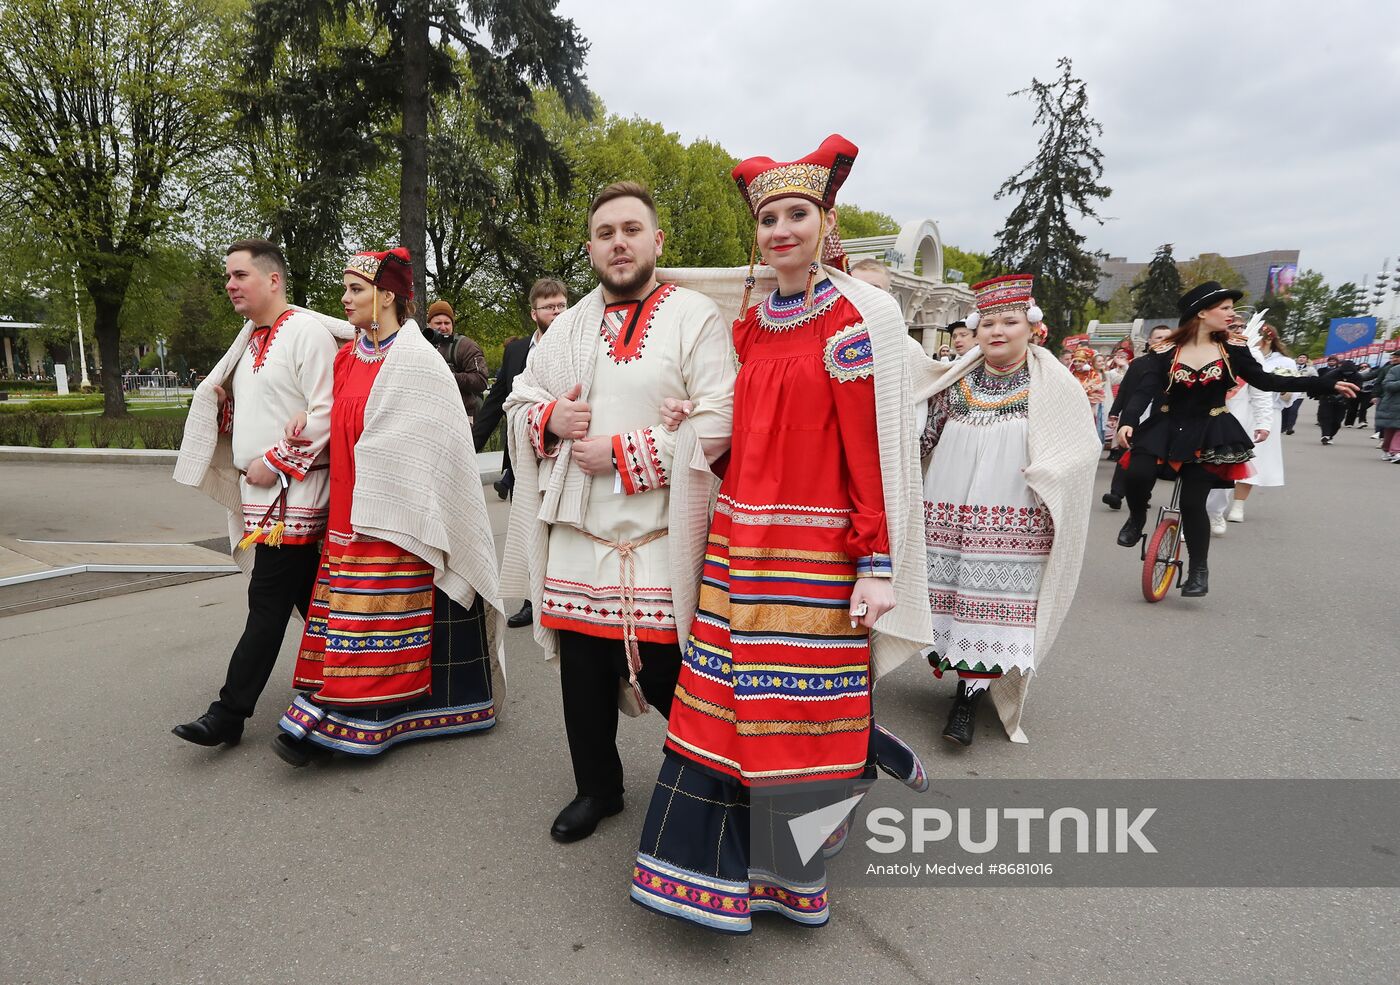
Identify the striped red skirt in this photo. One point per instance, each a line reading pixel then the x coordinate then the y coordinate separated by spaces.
pixel 369 631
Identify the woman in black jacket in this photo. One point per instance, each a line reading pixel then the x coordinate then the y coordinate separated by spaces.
pixel 1191 431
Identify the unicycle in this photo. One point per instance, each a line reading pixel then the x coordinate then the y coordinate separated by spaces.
pixel 1161 551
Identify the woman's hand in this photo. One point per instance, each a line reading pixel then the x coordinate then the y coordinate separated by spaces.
pixel 1124 436
pixel 1261 436
pixel 871 599
pixel 674 411
pixel 1346 389
pixel 219 394
pixel 292 432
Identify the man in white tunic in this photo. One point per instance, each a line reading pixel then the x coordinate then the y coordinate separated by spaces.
pixel 279 366
pixel 592 523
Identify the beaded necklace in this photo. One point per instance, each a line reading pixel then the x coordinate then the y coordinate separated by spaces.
pixel 365 351
pixel 782 314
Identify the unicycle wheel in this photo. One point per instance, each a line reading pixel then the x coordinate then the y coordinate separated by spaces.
pixel 1160 565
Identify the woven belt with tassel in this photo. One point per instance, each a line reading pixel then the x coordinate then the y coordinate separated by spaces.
pixel 272 537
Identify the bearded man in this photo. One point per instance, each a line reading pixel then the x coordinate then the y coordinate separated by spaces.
pixel 607 551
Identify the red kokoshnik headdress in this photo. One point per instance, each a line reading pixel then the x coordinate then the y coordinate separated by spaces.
pixel 391 270
pixel 816 178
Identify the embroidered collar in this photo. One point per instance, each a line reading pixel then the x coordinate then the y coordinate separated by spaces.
pixel 261 340
pixel 626 324
pixel 781 314
pixel 1190 376
pixel 364 348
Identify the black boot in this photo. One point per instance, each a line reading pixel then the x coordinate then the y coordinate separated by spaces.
pixel 292 751
pixel 962 718
pixel 524 617
pixel 1113 500
pixel 1197 581
pixel 1131 533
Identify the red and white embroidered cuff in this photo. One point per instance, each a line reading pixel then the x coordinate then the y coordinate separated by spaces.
pixel 291 462
pixel 226 416
pixel 537 419
pixel 638 462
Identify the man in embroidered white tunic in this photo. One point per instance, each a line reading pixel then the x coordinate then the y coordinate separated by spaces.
pixel 594 463
pixel 283 369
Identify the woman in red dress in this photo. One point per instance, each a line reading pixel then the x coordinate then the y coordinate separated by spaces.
pixel 775 682
pixel 386 657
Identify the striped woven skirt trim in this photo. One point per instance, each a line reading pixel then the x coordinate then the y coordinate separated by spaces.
pixel 369 631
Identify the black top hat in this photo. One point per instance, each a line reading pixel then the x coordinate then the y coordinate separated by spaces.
pixel 1201 297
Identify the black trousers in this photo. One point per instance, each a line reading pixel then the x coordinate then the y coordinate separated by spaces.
pixel 283 578
pixel 1330 412
pixel 1290 415
pixel 590 670
pixel 1196 484
pixel 1118 486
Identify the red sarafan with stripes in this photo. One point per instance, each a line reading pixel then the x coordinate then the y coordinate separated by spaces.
pixel 368 637
pixel 775 682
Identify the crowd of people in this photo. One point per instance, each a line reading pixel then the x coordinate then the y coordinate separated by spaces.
pixel 741 525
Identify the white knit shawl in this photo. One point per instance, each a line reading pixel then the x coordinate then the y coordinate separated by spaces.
pixel 206 456
pixel 1064 452
pixel 417 484
pixel 907 629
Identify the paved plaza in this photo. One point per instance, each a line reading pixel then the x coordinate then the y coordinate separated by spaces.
pixel 132 857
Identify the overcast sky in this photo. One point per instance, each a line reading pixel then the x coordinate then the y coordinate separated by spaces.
pixel 1229 126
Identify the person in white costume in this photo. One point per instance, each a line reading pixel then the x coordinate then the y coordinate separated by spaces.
pixel 1266 411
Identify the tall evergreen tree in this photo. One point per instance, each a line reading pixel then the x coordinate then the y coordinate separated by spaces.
pixel 1038 237
pixel 1156 295
pixel 413 50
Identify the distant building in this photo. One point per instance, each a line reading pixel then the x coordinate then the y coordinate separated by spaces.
pixel 1116 272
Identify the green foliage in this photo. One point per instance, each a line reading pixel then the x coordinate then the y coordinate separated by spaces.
pixel 1063 177
pixel 55 404
pixel 1210 266
pixel 488 275
pixel 1309 309
pixel 972 265
pixel 857 223
pixel 1121 307
pixel 109 116
pixel 1156 292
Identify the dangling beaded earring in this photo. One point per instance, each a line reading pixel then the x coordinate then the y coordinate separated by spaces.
pixel 750 280
pixel 815 267
pixel 374 320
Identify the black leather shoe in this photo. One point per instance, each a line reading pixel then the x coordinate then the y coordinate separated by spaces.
pixel 962 718
pixel 293 752
pixel 1197 582
pixel 1114 502
pixel 502 488
pixel 524 617
pixel 581 817
pixel 209 730
pixel 1132 531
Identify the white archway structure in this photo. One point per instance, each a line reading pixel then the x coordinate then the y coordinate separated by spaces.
pixel 919 249
pixel 915 259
